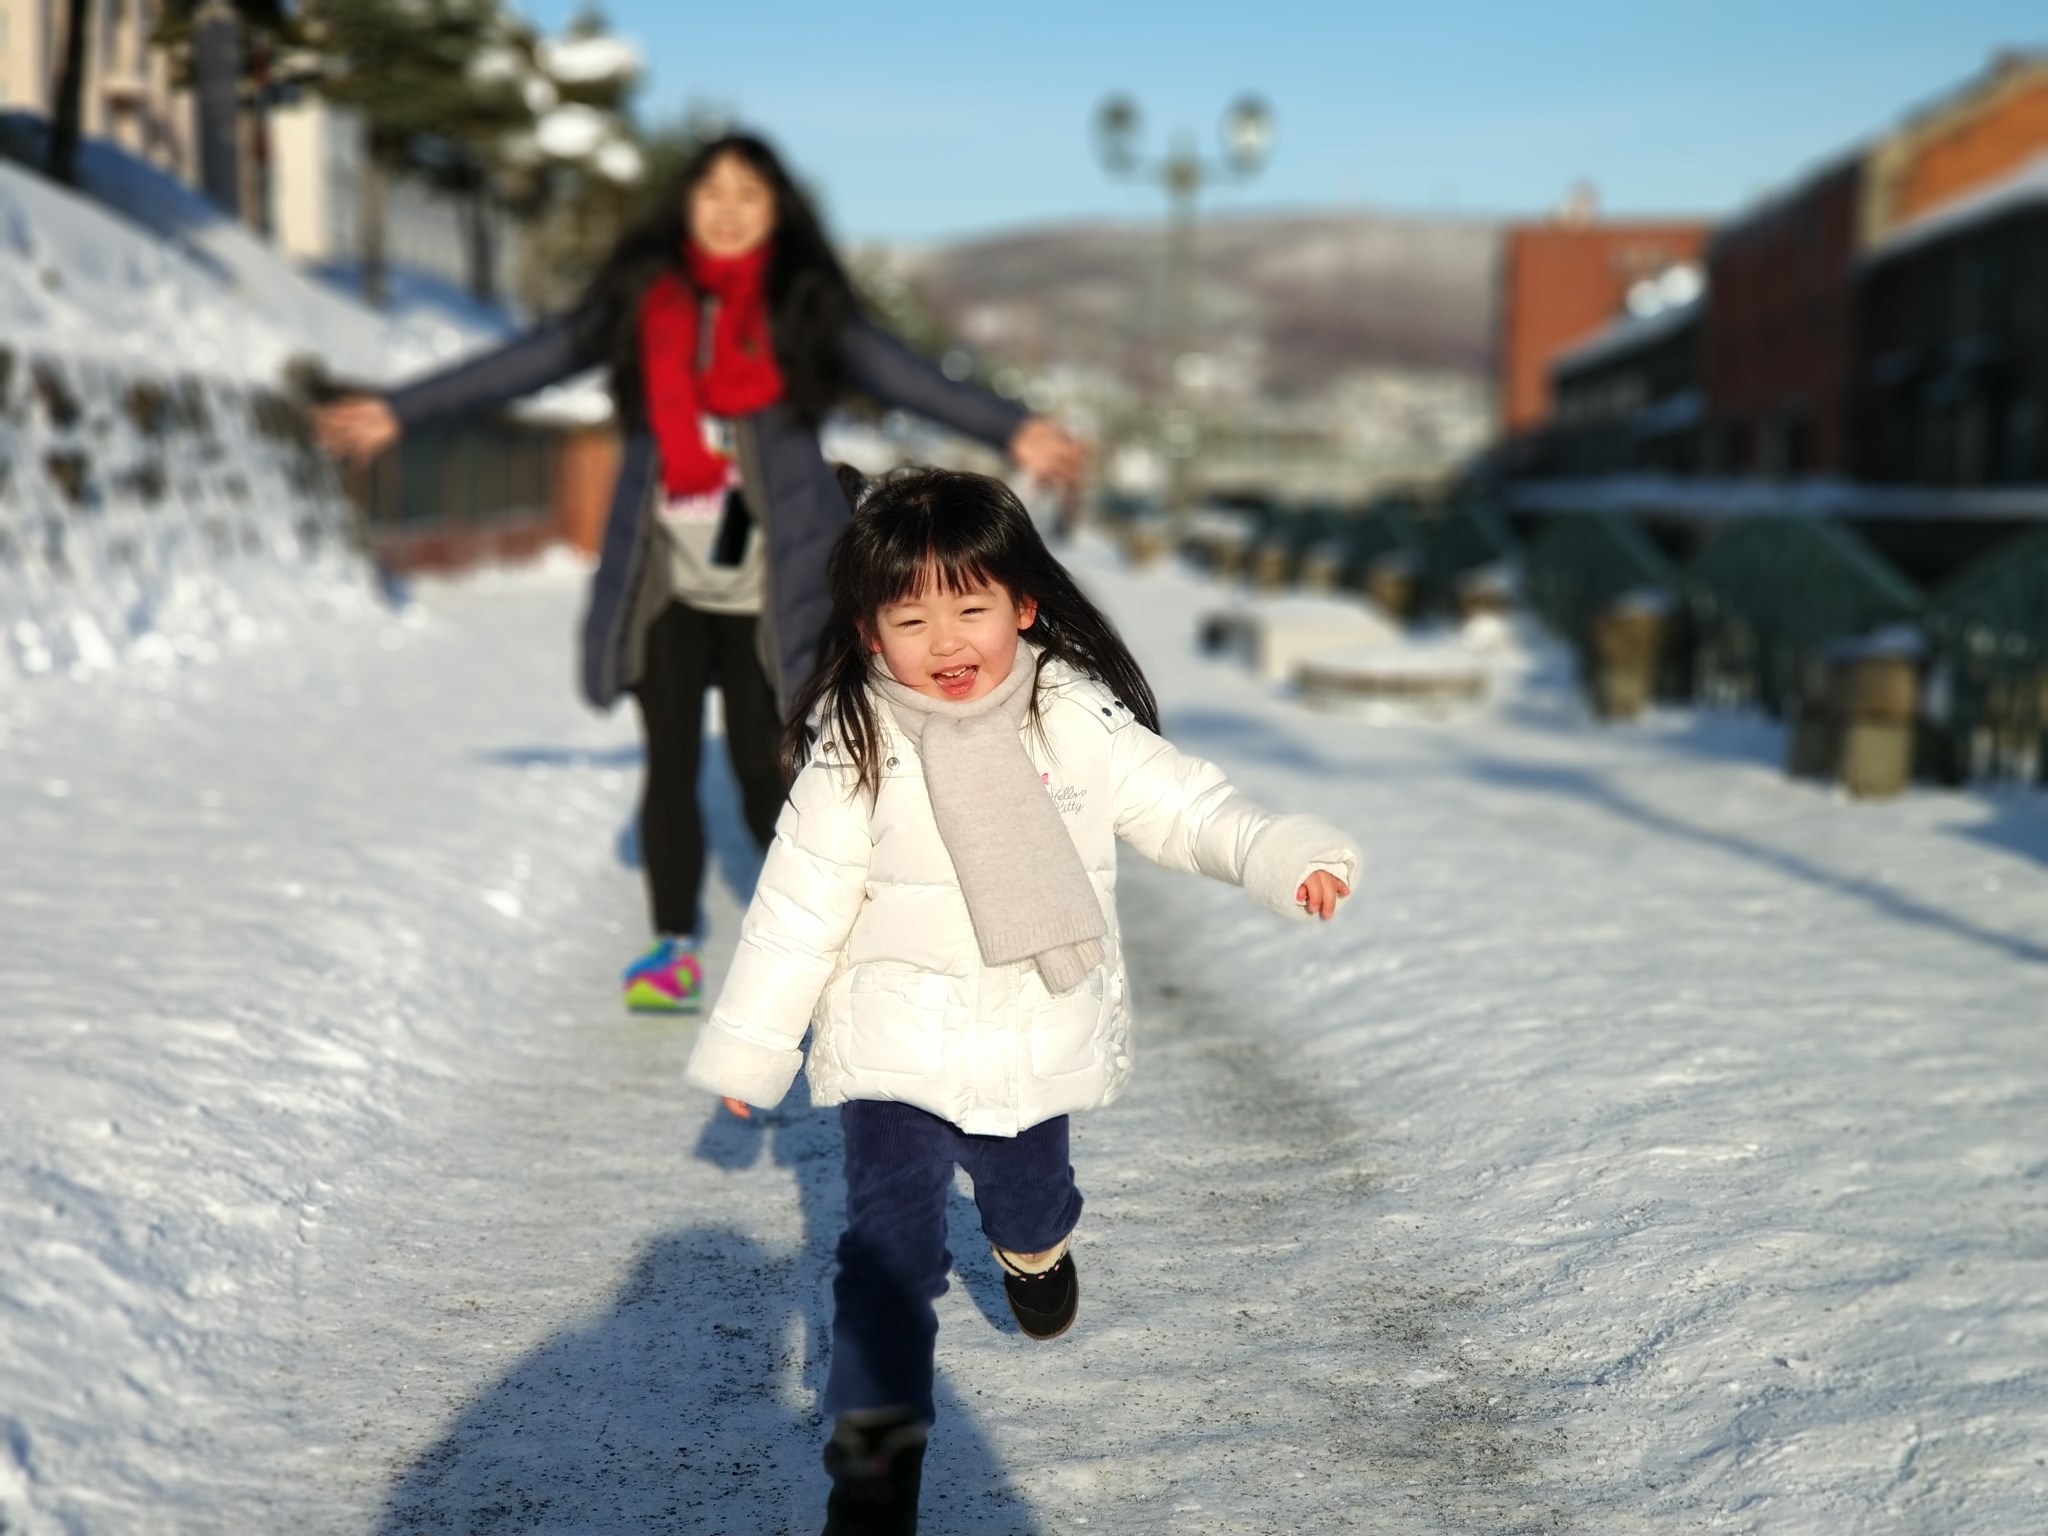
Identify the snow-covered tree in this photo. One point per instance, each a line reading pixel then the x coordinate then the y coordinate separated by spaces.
pixel 574 176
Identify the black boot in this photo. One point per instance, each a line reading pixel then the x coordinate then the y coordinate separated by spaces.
pixel 877 1466
pixel 1044 1303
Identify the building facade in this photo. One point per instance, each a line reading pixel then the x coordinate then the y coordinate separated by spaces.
pixel 1883 320
pixel 1629 400
pixel 1564 281
pixel 316 195
pixel 1980 133
pixel 128 98
pixel 1776 345
pixel 1953 367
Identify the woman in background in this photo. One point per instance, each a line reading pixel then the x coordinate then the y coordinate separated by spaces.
pixel 729 329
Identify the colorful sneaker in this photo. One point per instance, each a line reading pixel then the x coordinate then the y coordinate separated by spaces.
pixel 669 978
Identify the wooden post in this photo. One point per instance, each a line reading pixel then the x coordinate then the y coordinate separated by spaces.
pixel 1877 696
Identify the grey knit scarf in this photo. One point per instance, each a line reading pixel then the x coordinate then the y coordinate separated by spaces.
pixel 1027 894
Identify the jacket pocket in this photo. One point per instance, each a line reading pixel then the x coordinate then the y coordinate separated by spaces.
pixel 1066 1031
pixel 895 1020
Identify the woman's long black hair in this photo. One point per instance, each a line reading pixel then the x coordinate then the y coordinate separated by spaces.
pixel 959 531
pixel 809 297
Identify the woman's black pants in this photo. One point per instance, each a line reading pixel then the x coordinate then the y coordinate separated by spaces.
pixel 689 651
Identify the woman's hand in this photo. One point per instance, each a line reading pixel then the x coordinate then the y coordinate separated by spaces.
pixel 1045 452
pixel 1320 893
pixel 358 428
pixel 740 1107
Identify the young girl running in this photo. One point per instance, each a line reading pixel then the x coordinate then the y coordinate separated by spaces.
pixel 938 909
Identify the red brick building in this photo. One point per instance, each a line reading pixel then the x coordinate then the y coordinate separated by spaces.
pixel 1564 281
pixel 1943 389
pixel 1780 345
pixel 1778 338
pixel 1981 133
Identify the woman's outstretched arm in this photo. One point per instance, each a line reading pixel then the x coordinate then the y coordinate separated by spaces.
pixel 879 365
pixel 364 425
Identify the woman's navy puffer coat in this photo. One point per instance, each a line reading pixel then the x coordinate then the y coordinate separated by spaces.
pixel 793 492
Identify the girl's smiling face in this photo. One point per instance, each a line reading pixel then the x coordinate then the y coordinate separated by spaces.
pixel 952 645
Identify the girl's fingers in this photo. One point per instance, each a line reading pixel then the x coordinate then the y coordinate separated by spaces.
pixel 741 1108
pixel 1321 892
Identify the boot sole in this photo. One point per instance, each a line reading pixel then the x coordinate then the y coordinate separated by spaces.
pixel 1063 1329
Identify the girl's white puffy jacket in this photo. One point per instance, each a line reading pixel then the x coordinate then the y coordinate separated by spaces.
pixel 858 930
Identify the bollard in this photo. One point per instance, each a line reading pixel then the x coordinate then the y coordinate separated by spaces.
pixel 1876 697
pixel 1391 582
pixel 1320 569
pixel 1144 543
pixel 1811 745
pixel 1488 591
pixel 1269 567
pixel 1624 644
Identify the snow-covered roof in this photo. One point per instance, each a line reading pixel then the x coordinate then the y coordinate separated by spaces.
pixel 2025 187
pixel 1627 334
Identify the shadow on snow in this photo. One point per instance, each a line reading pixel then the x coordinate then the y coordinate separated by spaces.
pixel 689 1405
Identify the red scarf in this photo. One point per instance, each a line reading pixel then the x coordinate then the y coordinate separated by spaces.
pixel 739 377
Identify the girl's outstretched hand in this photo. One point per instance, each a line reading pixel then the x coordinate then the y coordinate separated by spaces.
pixel 1320 893
pixel 741 1108
pixel 1047 453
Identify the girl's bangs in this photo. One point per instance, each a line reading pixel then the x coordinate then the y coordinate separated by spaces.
pixel 918 561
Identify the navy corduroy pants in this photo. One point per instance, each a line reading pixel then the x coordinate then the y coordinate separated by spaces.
pixel 893 1258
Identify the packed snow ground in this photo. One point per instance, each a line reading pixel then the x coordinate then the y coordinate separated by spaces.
pixel 1654 1144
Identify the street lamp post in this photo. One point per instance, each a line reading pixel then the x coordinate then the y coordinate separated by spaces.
pixel 1247 133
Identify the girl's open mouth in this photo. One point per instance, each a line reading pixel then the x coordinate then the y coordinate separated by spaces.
pixel 957 682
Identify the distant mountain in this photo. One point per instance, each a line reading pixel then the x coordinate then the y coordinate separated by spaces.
pixel 1296 302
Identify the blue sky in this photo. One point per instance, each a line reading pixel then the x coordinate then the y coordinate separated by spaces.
pixel 921 121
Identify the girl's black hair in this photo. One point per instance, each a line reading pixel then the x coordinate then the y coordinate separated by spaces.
pixel 808 295
pixel 959 531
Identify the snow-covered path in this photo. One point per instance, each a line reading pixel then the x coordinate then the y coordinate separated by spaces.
pixel 1654 1146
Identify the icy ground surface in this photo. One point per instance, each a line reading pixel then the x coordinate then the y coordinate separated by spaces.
pixel 1655 1145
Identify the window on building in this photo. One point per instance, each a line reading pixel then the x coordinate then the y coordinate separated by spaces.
pixel 1997 298
pixel 1974 421
pixel 1728 448
pixel 2019 447
pixel 1795 433
pixel 1968 313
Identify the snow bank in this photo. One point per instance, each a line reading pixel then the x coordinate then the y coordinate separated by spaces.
pixel 144 267
pixel 158 497
pixel 1273 635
